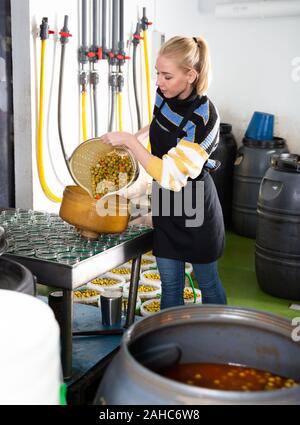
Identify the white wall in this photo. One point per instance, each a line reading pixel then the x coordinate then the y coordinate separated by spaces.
pixel 256 66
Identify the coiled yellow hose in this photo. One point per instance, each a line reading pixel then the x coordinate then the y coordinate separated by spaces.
pixel 147 80
pixel 120 111
pixel 40 161
pixel 83 115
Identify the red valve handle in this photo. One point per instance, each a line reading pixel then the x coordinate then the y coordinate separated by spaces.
pixel 65 34
pixel 121 57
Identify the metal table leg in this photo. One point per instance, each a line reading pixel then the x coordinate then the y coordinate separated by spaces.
pixel 134 281
pixel 66 330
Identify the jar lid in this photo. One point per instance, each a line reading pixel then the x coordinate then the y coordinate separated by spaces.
pixel 288 162
pixel 276 142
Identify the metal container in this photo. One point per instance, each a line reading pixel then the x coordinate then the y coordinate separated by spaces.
pixel 79 209
pixel 209 334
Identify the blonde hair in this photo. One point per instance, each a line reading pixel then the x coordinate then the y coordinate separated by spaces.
pixel 190 53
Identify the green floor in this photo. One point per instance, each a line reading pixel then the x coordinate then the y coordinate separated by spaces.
pixel 237 272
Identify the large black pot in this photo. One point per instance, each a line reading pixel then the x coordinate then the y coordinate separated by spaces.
pixel 205 333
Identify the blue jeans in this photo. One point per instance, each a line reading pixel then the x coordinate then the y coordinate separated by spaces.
pixel 173 281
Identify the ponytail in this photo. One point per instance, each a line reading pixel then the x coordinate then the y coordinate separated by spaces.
pixel 204 66
pixel 191 53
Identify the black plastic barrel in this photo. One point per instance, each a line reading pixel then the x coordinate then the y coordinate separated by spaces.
pixel 252 162
pixel 277 252
pixel 223 177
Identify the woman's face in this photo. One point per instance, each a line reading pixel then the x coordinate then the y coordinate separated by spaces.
pixel 172 80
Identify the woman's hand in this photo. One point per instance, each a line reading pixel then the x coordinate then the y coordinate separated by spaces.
pixel 119 138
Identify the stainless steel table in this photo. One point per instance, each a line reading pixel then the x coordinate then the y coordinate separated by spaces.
pixel 70 277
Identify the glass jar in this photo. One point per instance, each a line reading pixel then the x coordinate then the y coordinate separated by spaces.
pixel 83 253
pixel 46 254
pixel 25 252
pixel 69 258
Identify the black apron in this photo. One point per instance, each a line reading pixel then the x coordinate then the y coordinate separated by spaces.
pixel 172 237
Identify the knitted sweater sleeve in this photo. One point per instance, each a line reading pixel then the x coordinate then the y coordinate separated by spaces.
pixel 188 157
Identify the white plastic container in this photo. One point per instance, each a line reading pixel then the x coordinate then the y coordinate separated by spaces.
pixel 145 295
pixel 150 261
pixel 87 299
pixel 120 281
pixel 145 312
pixel 123 267
pixel 30 365
pixel 147 280
pixel 190 300
pixel 188 268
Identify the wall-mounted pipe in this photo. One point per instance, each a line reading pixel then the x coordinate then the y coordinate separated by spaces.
pixel 84 42
pixel 83 59
pixel 96 10
pixel 94 56
pixel 258 9
pixel 115 26
pixel 104 28
pixel 113 93
pixel 121 26
pixel 113 62
pixel 121 61
pixel 65 34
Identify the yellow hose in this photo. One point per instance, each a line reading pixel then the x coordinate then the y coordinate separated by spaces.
pixel 120 111
pixel 147 80
pixel 83 114
pixel 40 164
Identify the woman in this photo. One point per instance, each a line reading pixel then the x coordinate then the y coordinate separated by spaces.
pixel 183 133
